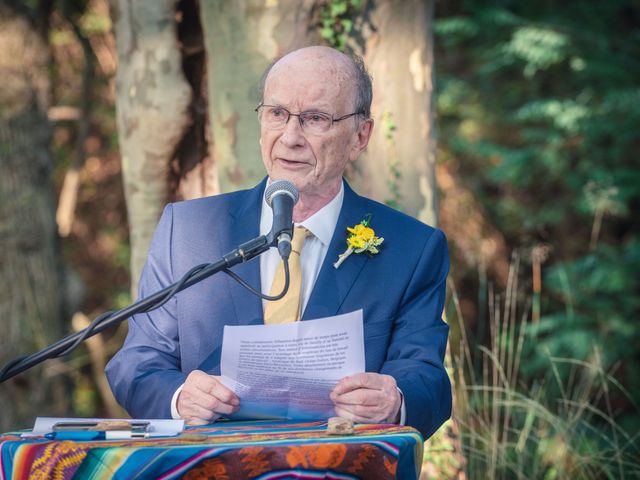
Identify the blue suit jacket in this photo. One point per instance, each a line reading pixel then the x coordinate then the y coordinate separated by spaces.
pixel 401 290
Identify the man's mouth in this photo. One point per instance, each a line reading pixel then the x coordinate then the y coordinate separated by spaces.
pixel 290 162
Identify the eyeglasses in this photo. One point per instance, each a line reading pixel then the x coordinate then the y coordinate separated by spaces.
pixel 275 118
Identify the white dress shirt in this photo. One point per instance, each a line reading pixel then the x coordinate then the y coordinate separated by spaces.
pixel 321 225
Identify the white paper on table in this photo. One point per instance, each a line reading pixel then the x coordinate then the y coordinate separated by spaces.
pixel 157 427
pixel 288 370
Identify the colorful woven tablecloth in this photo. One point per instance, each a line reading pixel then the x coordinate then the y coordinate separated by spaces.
pixel 230 450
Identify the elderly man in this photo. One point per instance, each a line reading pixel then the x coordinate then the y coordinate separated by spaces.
pixel 315 120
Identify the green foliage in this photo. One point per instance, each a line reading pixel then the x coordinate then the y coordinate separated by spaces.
pixel 595 308
pixel 121 300
pixel 84 398
pixel 336 21
pixel 441 460
pixel 93 22
pixel 539 105
pixel 393 164
pixel 560 426
pixel 538 48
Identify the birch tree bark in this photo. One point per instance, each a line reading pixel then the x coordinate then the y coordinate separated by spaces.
pixel 396 40
pixel 241 38
pixel 31 278
pixel 152 104
pixel 398 168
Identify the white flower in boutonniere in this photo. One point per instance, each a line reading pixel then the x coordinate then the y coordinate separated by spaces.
pixel 361 239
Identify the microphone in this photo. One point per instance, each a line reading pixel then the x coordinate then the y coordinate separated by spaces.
pixel 281 196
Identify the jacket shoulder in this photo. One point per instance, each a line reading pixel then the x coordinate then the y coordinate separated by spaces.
pixel 221 202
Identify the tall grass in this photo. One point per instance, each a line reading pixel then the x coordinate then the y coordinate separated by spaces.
pixel 561 426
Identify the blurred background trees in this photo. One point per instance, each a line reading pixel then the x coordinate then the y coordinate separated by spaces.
pixel 536 106
pixel 32 293
pixel 539 109
pixel 538 132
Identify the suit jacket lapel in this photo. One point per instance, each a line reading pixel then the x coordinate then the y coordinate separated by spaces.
pixel 333 285
pixel 245 225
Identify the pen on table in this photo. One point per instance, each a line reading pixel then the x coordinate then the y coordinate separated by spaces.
pixel 88 435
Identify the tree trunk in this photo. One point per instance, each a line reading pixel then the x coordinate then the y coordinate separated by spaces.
pixel 31 279
pixel 152 104
pixel 395 38
pixel 241 38
pixel 398 168
pixel 193 172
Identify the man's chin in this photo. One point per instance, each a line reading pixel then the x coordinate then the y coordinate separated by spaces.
pixel 297 180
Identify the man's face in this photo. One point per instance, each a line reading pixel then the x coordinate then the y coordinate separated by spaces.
pixel 314 163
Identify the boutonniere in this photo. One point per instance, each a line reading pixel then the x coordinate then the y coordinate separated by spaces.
pixel 361 239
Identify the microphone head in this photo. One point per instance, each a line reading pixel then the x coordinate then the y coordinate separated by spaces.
pixel 281 187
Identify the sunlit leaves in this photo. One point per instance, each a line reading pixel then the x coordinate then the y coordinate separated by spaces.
pixel 563 114
pixel 93 22
pixel 539 48
pixel 603 197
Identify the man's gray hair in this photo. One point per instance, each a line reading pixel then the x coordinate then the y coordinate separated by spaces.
pixel 364 91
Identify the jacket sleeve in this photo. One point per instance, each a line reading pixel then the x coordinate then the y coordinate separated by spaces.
pixel 415 356
pixel 146 372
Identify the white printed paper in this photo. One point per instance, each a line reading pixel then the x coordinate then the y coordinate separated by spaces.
pixel 289 370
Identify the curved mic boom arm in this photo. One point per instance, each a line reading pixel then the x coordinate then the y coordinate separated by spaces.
pixel 243 253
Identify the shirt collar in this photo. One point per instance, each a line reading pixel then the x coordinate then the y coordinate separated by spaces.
pixel 321 224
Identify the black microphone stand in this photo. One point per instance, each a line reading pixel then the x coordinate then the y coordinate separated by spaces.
pixel 243 253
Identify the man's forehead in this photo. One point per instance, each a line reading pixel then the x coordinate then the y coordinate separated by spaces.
pixel 294 94
pixel 317 56
pixel 283 85
pixel 320 80
pixel 319 63
pixel 306 75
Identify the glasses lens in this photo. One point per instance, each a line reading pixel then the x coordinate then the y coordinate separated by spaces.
pixel 273 117
pixel 316 122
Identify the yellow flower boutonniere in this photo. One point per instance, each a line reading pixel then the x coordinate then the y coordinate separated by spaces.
pixel 361 239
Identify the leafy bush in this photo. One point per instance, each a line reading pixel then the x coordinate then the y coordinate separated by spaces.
pixel 558 426
pixel 539 107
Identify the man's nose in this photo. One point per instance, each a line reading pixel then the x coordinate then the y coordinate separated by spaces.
pixel 292 135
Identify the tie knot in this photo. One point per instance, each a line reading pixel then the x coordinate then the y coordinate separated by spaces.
pixel 299 236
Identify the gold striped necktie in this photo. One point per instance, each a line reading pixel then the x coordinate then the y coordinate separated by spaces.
pixel 287 309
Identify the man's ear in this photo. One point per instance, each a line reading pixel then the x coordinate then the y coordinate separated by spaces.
pixel 362 136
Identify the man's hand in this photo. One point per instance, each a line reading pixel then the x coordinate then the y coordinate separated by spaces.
pixel 367 398
pixel 204 398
